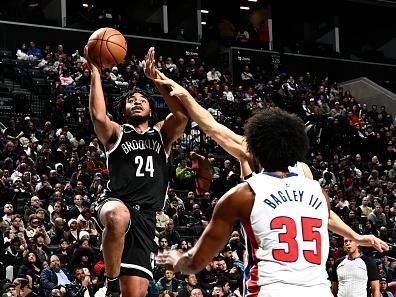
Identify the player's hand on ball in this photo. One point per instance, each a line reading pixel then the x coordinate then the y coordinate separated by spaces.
pixel 373 241
pixel 90 62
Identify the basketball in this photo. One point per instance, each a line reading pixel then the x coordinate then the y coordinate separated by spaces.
pixel 107 47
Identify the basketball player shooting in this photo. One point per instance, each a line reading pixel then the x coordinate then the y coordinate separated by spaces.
pixel 137 153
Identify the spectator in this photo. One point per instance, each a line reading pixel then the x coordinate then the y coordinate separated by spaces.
pixel 243 36
pixel 2 248
pixel 377 217
pixel 213 75
pixel 197 292
pixel 65 78
pixel 82 285
pixel 13 257
pixel 33 207
pixel 9 289
pixel 32 267
pixel 64 252
pixel 384 288
pixel 391 271
pixel 42 241
pixel 8 211
pixel 34 51
pixel 54 276
pixel 203 172
pixel 217 291
pixel 84 80
pixel 60 52
pixel 365 210
pixel 170 233
pixel 171 194
pixel 171 68
pixel 117 77
pixel 17 224
pixel 95 146
pixel 168 282
pixel 161 219
pixel 22 52
pixel 97 187
pixel 58 231
pixel 76 209
pixel 174 211
pixel 196 220
pixel 96 165
pixel 247 77
pixel 189 284
pixel 184 175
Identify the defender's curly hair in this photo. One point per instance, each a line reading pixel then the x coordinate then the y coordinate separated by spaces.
pixel 277 139
pixel 120 103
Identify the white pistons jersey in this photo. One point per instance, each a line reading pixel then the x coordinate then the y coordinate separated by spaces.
pixel 287 237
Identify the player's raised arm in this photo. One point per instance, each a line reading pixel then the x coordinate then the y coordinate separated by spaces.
pixel 105 129
pixel 175 123
pixel 339 227
pixel 231 142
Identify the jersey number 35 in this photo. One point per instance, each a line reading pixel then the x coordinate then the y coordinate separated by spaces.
pixel 290 238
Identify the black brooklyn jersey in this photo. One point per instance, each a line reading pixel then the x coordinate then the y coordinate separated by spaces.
pixel 138 168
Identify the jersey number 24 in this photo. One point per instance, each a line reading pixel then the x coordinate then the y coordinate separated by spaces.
pixel 144 166
pixel 290 238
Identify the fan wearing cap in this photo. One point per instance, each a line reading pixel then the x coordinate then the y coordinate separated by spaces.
pixel 117 77
pixel 137 156
pixel 384 288
pixel 72 233
pixel 313 107
pixel 9 289
pixel 337 110
pixel 228 256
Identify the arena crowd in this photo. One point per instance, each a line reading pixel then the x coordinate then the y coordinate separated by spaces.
pixel 52 170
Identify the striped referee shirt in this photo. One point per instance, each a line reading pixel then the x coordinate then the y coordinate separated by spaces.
pixel 354 276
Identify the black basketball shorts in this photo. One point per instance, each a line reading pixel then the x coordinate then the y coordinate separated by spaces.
pixel 137 257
